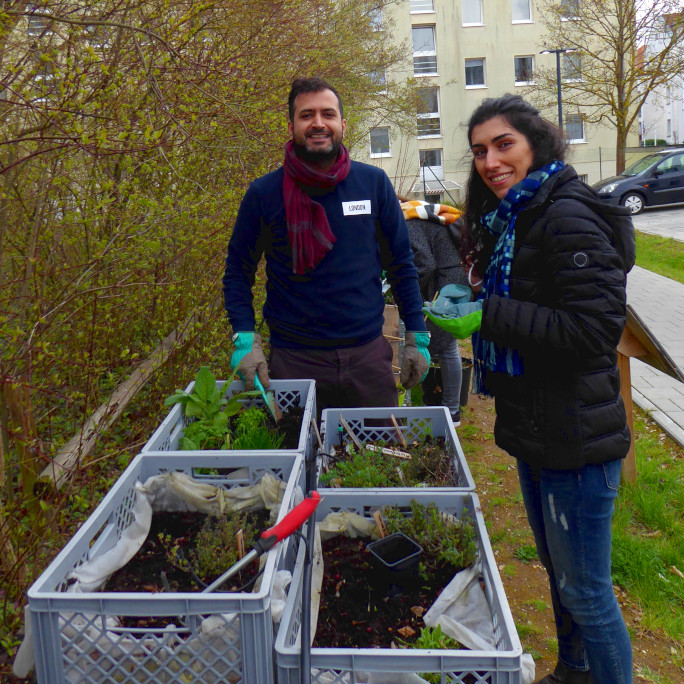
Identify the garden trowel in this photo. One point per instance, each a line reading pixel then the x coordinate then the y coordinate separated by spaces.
pixel 289 524
pixel 269 400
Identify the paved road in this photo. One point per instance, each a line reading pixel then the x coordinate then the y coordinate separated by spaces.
pixel 667 221
pixel 659 301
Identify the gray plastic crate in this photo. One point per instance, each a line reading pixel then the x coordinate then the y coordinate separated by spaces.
pixel 415 423
pixel 343 665
pixel 287 393
pixel 75 639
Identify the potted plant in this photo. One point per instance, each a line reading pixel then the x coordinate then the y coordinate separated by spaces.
pixel 414 446
pixel 82 631
pixel 219 415
pixel 489 651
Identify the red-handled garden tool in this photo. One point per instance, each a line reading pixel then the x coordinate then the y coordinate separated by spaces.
pixel 289 524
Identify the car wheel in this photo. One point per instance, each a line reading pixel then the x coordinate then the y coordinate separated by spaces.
pixel 634 202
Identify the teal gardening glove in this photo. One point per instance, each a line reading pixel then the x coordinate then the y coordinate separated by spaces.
pixel 415 361
pixel 461 320
pixel 249 357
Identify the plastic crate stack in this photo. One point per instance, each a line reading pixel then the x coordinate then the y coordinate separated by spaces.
pixel 225 636
pixel 501 664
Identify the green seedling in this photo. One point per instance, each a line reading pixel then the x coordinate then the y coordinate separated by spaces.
pixel 211 409
pixel 443 538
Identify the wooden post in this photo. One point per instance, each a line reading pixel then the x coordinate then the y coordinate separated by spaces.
pixel 629 465
pixel 638 341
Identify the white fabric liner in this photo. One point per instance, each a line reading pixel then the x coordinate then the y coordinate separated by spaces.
pixel 461 610
pixel 168 492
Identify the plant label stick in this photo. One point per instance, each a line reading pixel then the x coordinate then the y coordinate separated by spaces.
pixel 318 434
pixel 240 543
pixel 389 452
pixel 402 441
pixel 352 436
pixel 380 524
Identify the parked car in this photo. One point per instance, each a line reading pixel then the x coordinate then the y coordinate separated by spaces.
pixel 655 179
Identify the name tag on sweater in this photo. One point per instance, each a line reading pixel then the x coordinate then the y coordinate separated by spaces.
pixel 354 208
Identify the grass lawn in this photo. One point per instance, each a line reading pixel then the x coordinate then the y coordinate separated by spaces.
pixel 661 255
pixel 648 531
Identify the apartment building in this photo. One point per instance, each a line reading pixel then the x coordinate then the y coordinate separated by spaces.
pixel 662 115
pixel 462 52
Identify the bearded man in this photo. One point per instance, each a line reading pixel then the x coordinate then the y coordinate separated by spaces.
pixel 328 228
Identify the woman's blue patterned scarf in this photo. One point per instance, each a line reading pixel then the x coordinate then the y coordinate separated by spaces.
pixel 501 222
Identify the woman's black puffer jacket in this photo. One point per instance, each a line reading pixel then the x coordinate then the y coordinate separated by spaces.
pixel 565 316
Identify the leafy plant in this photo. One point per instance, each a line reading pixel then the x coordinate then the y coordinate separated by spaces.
pixel 363 469
pixel 526 553
pixel 215 548
pixel 368 468
pixel 443 538
pixel 432 638
pixel 211 408
pixel 252 431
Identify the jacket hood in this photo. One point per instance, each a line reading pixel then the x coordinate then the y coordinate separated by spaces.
pixel 566 185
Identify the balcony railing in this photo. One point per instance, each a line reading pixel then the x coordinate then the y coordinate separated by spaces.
pixel 429 125
pixel 422 6
pixel 425 65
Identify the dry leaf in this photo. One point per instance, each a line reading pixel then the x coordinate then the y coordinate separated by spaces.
pixel 418 611
pixel 406 632
pixel 676 571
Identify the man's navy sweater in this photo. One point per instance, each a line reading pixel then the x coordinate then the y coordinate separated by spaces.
pixel 339 303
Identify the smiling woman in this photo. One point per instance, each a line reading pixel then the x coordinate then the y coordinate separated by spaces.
pixel 502 155
pixel 553 259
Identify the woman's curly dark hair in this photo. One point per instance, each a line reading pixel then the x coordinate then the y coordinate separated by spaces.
pixel 547 143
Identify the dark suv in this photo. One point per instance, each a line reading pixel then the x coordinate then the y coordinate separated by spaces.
pixel 655 179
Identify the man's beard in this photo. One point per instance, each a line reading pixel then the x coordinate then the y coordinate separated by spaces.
pixel 317 156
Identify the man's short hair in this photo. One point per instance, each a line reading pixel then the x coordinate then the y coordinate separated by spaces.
pixel 310 85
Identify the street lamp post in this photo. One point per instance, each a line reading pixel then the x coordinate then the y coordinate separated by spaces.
pixel 558 53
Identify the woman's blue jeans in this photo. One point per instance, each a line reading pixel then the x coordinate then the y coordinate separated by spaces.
pixel 570 514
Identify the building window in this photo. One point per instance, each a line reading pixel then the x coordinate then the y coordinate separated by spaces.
pixel 428 112
pixel 472 12
pixel 431 167
pixel 475 73
pixel 379 79
pixel 376 20
pixel 421 6
pixel 569 9
pixel 521 10
pixel 424 51
pixel 46 71
pixel 572 66
pixel 574 128
pixel 380 142
pixel 524 70
pixel 37 25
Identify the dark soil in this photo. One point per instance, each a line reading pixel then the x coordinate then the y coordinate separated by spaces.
pixel 290 425
pixel 430 465
pixel 151 570
pixel 356 609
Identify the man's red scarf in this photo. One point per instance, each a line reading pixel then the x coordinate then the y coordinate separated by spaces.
pixel 307 225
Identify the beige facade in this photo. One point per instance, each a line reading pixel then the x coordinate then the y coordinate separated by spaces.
pixel 468 50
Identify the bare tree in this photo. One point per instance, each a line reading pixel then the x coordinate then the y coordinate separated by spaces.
pixel 129 130
pixel 608 75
